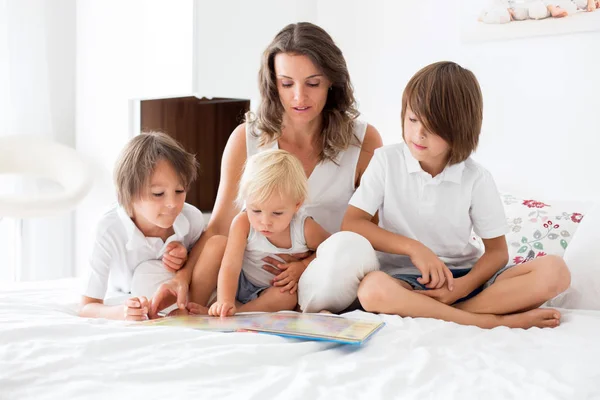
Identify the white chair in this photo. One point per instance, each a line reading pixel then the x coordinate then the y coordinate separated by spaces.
pixel 42 158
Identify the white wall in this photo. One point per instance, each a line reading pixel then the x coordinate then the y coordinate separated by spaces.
pixel 541 120
pixel 230 38
pixel 125 50
pixel 37 69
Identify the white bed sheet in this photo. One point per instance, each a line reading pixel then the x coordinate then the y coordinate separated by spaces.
pixel 46 352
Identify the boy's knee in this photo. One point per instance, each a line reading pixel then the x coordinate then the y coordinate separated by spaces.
pixel 561 276
pixel 556 275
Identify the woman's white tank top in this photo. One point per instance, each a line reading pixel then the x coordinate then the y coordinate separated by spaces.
pixel 259 247
pixel 330 186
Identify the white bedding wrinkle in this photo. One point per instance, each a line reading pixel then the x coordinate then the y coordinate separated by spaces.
pixel 47 352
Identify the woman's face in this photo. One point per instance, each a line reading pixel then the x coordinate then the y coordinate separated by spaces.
pixel 302 87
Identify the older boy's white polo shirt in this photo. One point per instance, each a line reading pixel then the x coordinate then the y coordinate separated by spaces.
pixel 120 247
pixel 440 212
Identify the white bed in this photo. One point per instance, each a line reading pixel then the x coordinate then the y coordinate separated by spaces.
pixel 46 352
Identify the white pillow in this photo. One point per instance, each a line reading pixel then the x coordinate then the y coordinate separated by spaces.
pixel 584 263
pixel 331 280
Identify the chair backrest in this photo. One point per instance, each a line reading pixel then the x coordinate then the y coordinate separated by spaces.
pixel 39 157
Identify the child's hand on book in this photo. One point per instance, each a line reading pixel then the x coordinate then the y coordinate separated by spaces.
pixel 175 256
pixel 222 309
pixel 136 309
pixel 434 273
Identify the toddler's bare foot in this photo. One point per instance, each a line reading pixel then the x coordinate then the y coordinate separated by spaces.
pixel 178 312
pixel 197 309
pixel 539 317
pixel 558 12
pixel 191 309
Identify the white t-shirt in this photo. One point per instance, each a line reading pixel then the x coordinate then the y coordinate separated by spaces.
pixel 259 247
pixel 440 212
pixel 330 185
pixel 120 247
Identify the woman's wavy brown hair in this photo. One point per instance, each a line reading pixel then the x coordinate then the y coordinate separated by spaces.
pixel 340 110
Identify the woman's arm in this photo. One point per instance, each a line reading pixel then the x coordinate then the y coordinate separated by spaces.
pixel 232 164
pixel 292 270
pixel 371 142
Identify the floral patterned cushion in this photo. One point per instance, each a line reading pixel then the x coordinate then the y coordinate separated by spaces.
pixel 537 228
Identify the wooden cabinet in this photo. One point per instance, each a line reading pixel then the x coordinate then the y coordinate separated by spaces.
pixel 202 126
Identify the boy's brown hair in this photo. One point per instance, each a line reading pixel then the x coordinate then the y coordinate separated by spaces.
pixel 138 159
pixel 447 100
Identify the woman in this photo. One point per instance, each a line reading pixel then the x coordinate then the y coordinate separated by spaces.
pixel 307 108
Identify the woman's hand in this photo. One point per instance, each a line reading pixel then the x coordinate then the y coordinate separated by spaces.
pixel 288 273
pixel 167 294
pixel 272 263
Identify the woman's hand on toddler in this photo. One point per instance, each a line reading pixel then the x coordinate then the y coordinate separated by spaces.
pixel 175 256
pixel 287 258
pixel 434 273
pixel 287 274
pixel 222 309
pixel 136 309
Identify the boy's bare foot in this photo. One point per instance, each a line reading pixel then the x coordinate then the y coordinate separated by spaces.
pixel 539 317
pixel 558 12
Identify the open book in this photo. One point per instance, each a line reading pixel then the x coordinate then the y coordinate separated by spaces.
pixel 325 327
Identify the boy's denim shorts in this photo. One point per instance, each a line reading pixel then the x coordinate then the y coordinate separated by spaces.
pixel 247 291
pixel 456 273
